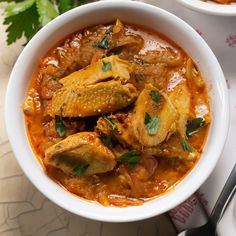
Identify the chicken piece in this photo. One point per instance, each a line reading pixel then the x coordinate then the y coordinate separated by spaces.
pixel 118 27
pixel 164 111
pixel 172 148
pixel 144 73
pixel 109 67
pixel 193 74
pixel 180 97
pixel 124 43
pixel 126 46
pixel 166 56
pixel 91 100
pixel 87 51
pixel 83 148
pixel 123 131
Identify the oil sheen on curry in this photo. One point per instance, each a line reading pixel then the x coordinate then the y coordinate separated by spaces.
pixel 117 114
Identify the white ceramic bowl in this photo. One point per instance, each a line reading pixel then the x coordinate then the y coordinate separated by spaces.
pixel 103 12
pixel 210 7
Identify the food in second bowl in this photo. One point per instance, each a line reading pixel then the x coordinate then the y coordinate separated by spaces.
pixel 117 114
pixel 222 1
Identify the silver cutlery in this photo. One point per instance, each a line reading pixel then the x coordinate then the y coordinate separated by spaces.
pixel 209 229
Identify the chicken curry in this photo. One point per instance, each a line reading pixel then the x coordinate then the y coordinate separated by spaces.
pixel 117 114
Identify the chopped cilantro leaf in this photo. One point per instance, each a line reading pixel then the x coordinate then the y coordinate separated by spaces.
pixel 106 66
pixel 151 124
pixel 103 44
pixel 110 31
pixel 194 125
pixel 60 127
pixel 155 96
pixel 186 146
pixel 79 170
pixel 131 157
pixel 112 125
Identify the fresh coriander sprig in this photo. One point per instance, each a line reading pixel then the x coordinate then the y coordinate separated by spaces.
pixel 26 17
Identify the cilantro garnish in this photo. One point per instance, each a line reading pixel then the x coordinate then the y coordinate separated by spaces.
pixel 103 44
pixel 194 125
pixel 79 170
pixel 60 127
pixel 112 125
pixel 131 157
pixel 151 124
pixel 155 96
pixel 186 146
pixel 110 31
pixel 106 66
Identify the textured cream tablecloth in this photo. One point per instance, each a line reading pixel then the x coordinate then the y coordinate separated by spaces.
pixel 24 211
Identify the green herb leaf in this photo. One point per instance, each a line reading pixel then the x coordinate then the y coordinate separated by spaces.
pixel 78 2
pixel 79 170
pixel 60 127
pixel 25 23
pixel 46 11
pixel 11 1
pixel 106 66
pixel 24 18
pixel 14 9
pixel 108 141
pixel 109 31
pixel 151 125
pixel 131 157
pixel 155 96
pixel 112 125
pixel 186 146
pixel 65 5
pixel 194 125
pixel 104 44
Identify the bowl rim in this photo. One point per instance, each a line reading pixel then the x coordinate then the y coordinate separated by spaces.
pixel 210 8
pixel 87 208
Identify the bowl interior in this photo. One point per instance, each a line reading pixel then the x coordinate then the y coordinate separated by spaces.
pixel 210 7
pixel 103 12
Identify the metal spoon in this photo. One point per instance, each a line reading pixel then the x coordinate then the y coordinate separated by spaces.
pixel 209 229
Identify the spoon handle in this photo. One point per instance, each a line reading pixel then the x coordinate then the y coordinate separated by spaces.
pixel 224 198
